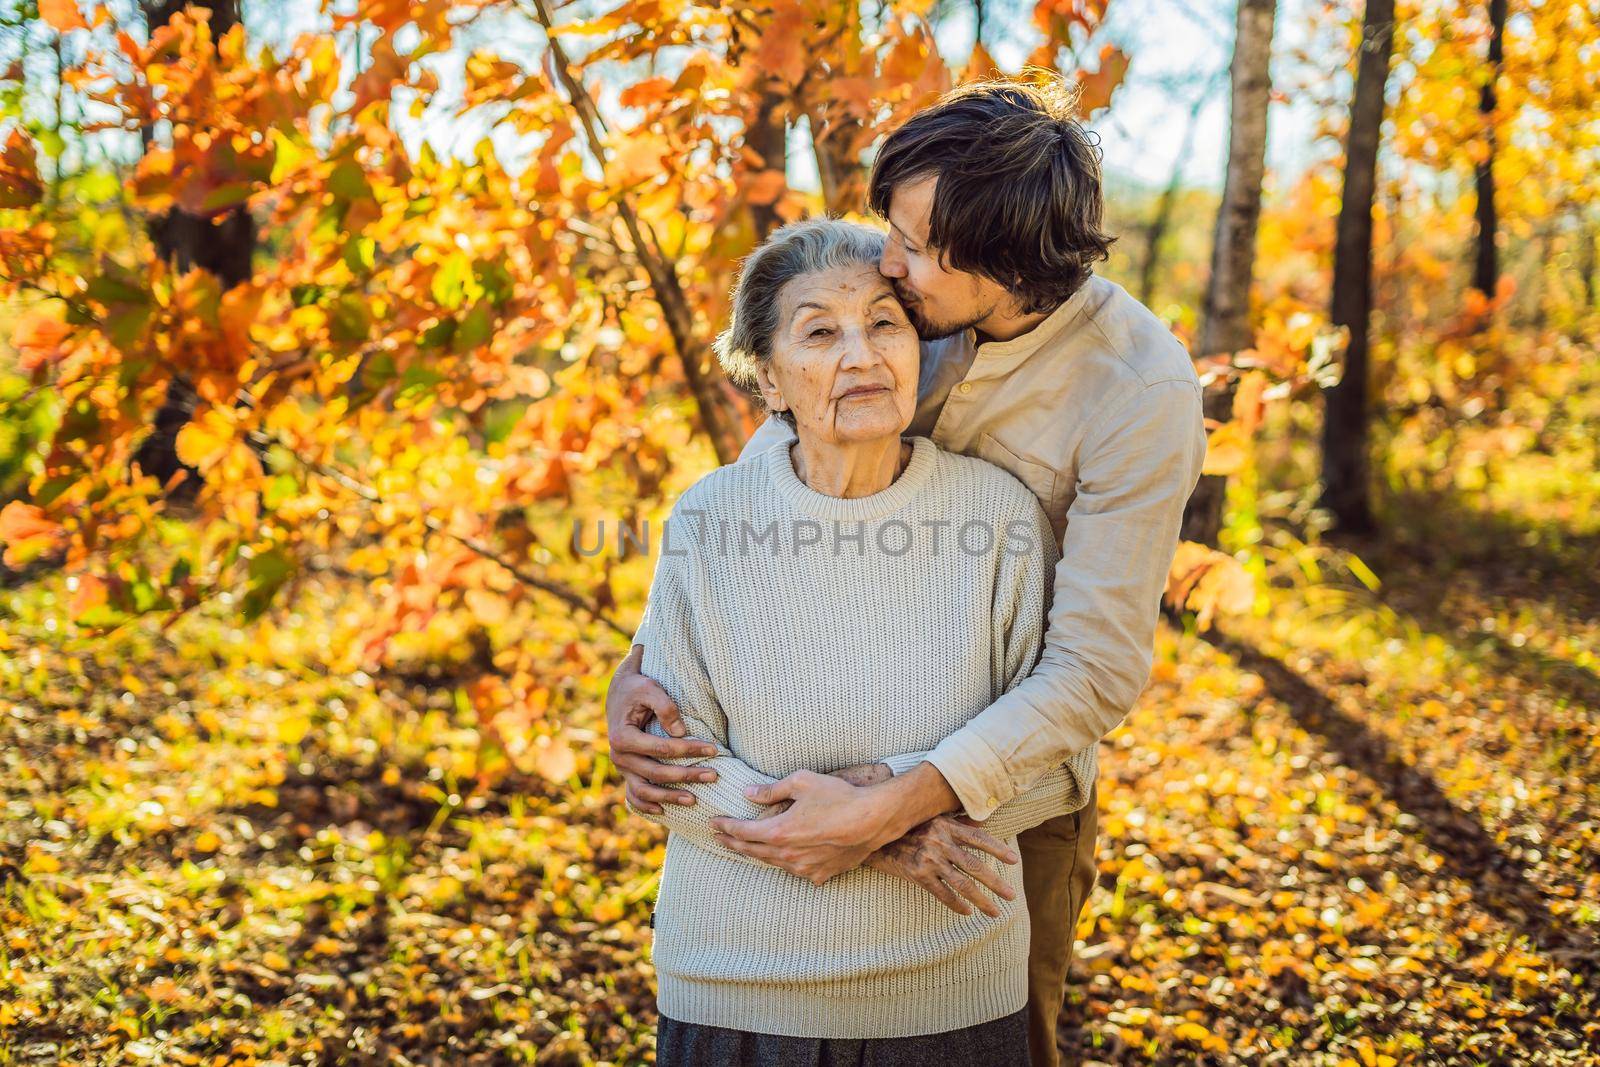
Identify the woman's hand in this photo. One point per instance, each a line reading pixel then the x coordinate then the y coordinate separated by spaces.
pixel 631 702
pixel 936 856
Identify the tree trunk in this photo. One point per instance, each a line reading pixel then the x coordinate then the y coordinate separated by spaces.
pixel 1225 325
pixel 222 246
pixel 839 170
pixel 1590 237
pixel 768 136
pixel 1157 230
pixel 1345 418
pixel 1486 270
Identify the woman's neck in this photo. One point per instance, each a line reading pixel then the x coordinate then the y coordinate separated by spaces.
pixel 858 468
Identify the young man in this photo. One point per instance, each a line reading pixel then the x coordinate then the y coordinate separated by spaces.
pixel 993 201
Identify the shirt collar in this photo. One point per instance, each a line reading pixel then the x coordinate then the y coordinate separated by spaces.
pixel 995 355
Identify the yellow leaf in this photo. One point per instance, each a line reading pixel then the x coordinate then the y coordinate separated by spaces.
pixel 1226 449
pixel 43 863
pixel 487 606
pixel 206 439
pixel 1191 1031
pixel 207 842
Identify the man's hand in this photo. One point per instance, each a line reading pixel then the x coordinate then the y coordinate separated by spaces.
pixel 631 701
pixel 831 826
pixel 935 856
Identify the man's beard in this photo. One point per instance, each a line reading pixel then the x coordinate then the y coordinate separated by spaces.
pixel 928 329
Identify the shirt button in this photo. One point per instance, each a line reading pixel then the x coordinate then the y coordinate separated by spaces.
pixel 992 800
pixel 964 387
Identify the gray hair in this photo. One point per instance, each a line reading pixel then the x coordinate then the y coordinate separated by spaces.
pixel 792 250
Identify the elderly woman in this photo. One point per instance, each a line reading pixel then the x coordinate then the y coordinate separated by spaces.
pixel 838 605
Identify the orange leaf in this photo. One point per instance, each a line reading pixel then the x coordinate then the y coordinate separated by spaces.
pixel 19 172
pixel 638 159
pixel 1249 401
pixel 643 94
pixel 487 606
pixel 981 65
pixel 766 187
pixel 92 592
pixel 1096 88
pixel 555 760
pixel 37 337
pixel 62 15
pixel 24 526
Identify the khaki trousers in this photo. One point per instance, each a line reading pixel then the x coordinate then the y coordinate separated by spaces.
pixel 1058 871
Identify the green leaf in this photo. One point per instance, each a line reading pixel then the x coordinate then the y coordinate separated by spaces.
pixel 350 319
pixel 110 290
pixel 360 254
pixel 501 418
pixel 418 378
pixel 349 182
pixel 268 571
pixel 438 335
pixel 227 195
pixel 450 280
pixel 494 280
pixel 476 327
pixel 306 294
pixel 281 488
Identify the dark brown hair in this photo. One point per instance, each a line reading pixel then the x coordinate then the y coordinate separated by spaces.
pixel 1018 196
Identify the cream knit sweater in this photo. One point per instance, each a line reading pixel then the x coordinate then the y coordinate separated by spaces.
pixel 799 630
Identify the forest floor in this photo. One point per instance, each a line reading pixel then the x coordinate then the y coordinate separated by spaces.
pixel 1360 826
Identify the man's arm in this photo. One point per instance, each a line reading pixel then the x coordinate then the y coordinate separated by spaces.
pixel 1138 467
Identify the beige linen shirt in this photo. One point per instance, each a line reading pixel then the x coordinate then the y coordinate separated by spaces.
pixel 1097 411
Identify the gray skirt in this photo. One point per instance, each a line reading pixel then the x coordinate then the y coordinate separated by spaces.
pixel 1002 1042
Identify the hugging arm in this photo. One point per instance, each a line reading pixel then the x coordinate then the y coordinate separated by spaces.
pixel 1138 465
pixel 1017 628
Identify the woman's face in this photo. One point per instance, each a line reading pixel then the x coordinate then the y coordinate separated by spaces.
pixel 844 357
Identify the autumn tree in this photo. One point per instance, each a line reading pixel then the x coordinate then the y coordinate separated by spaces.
pixel 1486 264
pixel 445 363
pixel 219 240
pixel 1225 321
pixel 1345 434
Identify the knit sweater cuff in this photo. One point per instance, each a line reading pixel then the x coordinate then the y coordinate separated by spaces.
pixel 976 774
pixel 902 763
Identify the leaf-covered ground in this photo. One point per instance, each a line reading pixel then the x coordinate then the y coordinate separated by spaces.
pixel 1361 826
